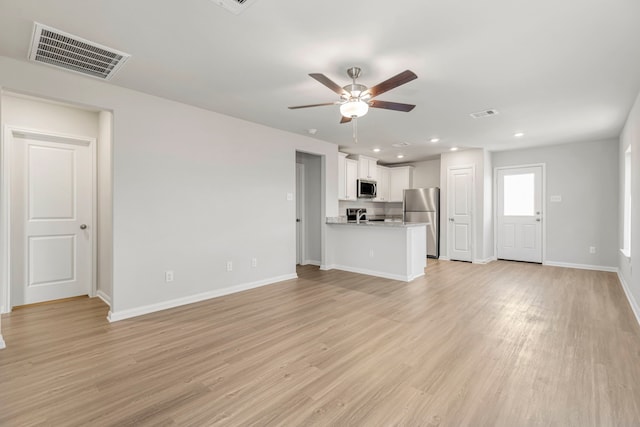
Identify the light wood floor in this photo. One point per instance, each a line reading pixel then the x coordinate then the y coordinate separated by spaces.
pixel 503 344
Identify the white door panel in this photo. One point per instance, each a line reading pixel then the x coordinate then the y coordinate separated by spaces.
pixel 461 237
pixel 460 193
pixel 519 214
pixel 51 206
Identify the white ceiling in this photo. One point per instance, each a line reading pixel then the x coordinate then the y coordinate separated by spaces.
pixel 559 71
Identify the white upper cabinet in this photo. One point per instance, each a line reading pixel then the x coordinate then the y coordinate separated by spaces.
pixel 383 184
pixel 351 173
pixel 342 178
pixel 347 177
pixel 367 168
pixel 400 179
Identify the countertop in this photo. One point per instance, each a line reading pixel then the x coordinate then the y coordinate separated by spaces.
pixel 380 224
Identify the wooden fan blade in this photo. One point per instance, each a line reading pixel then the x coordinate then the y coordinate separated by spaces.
pixel 329 83
pixel 345 119
pixel 392 105
pixel 395 81
pixel 313 105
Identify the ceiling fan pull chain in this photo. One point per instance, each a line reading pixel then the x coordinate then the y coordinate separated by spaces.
pixel 355 129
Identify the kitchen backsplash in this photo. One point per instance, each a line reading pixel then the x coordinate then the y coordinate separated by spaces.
pixel 373 208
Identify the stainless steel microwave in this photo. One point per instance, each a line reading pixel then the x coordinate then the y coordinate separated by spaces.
pixel 367 189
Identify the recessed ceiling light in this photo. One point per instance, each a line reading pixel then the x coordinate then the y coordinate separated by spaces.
pixel 312 131
pixel 376 150
pixel 518 134
pixel 400 156
pixel 434 140
pixel 453 149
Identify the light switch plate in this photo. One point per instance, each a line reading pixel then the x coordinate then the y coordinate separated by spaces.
pixel 556 199
pixel 289 196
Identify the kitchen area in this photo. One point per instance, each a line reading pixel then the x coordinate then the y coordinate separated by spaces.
pixel 386 227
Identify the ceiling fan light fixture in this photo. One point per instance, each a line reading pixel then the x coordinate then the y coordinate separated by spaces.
pixel 354 108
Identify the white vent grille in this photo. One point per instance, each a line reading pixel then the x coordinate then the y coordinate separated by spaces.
pixel 485 113
pixel 234 6
pixel 400 144
pixel 59 49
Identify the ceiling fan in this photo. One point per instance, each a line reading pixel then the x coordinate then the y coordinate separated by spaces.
pixel 355 98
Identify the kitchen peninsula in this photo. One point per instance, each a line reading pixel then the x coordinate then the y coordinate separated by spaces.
pixel 393 250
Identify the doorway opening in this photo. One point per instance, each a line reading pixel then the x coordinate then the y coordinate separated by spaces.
pixel 309 208
pixel 55 201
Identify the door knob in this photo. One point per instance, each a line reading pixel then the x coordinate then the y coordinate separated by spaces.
pixel 451 219
pixel 297 219
pixel 83 226
pixel 538 219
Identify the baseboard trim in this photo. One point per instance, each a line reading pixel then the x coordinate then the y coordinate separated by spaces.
pixel 581 266
pixel 368 272
pixel 324 267
pixel 485 261
pixel 165 305
pixel 104 297
pixel 444 258
pixel 632 302
pixel 2 343
pixel 312 262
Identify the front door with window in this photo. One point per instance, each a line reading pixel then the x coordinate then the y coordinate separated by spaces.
pixel 519 214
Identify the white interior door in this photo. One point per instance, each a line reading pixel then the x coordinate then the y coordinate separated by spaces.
pixel 460 199
pixel 299 213
pixel 51 218
pixel 519 214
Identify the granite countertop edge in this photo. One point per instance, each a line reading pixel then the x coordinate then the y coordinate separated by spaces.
pixel 380 224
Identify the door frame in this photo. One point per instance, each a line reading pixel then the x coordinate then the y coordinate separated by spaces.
pixel 544 205
pixel 300 237
pixel 7 135
pixel 473 209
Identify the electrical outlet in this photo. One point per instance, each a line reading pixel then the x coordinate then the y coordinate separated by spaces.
pixel 371 253
pixel 229 266
pixel 254 262
pixel 592 249
pixel 168 276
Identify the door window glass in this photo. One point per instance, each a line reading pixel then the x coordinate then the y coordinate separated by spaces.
pixel 519 195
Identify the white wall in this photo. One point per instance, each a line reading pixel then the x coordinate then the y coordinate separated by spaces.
pixel 487 206
pixel 585 174
pixel 186 183
pixel 426 174
pixel 37 114
pixel 631 137
pixel 105 207
pixel 313 215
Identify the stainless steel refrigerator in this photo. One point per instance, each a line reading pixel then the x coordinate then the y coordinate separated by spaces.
pixel 423 205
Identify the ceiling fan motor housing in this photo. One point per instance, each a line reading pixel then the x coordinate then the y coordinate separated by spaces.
pixel 355 90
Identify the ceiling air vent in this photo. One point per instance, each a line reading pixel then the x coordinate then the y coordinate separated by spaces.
pixel 400 144
pixel 59 49
pixel 234 6
pixel 485 113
